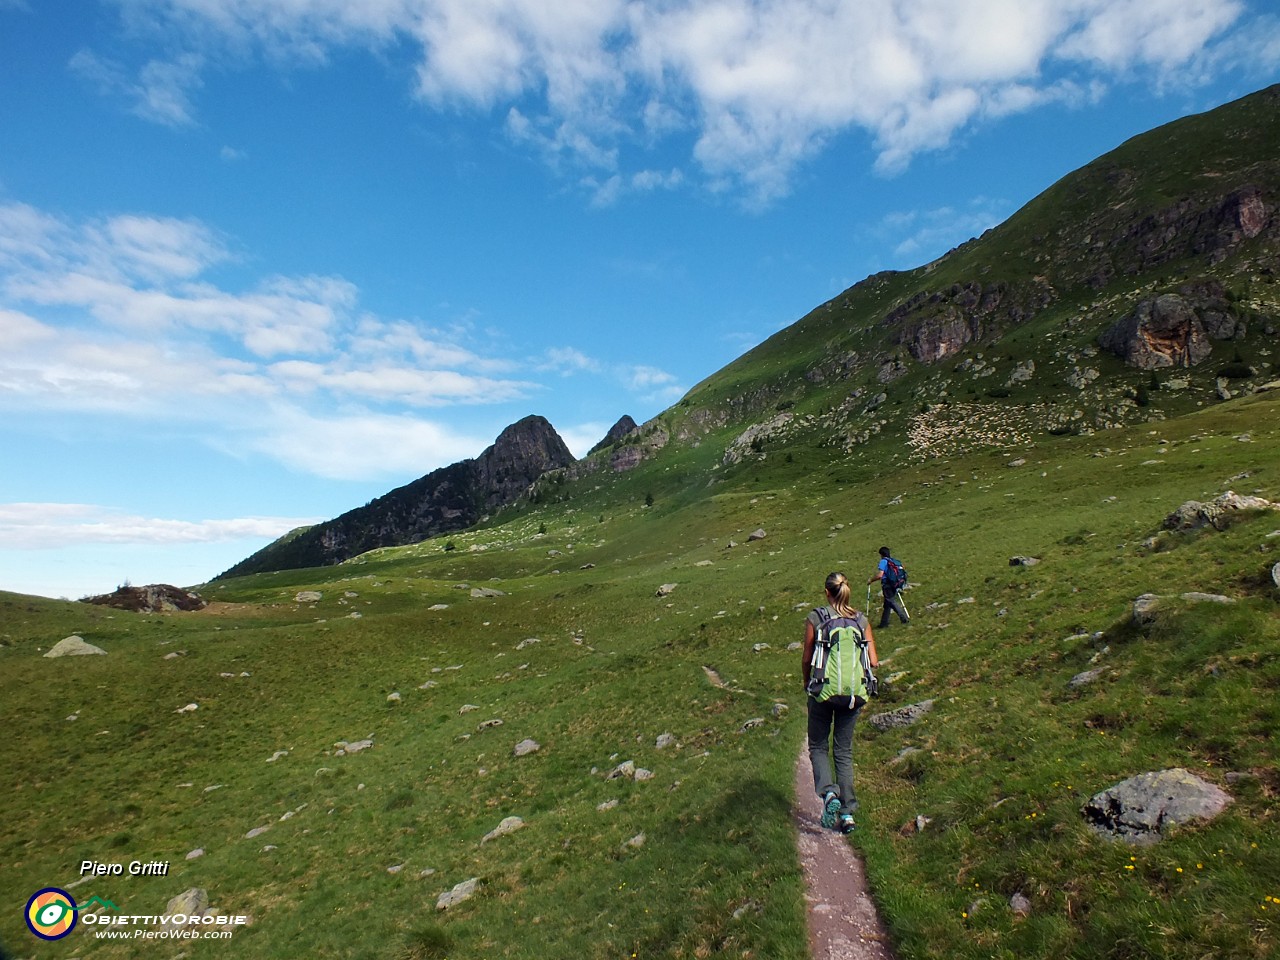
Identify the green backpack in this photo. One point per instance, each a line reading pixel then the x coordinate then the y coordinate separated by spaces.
pixel 841 664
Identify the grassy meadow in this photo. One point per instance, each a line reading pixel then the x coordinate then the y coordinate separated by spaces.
pixel 580 655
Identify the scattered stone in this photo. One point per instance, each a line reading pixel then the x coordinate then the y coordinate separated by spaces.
pixel 752 724
pixel 467 708
pixel 396 869
pixel 1145 609
pixel 758 534
pixel 902 717
pixel 74 646
pixel 428 685
pixel 1020 462
pixel 526 747
pixel 460 893
pixel 277 755
pixel 665 740
pixel 527 642
pixel 490 724
pixel 508 825
pixel 779 709
pixel 760 648
pixel 636 842
pixel 1275 574
pixel 1084 679
pixel 666 590
pixel 342 748
pixel 1139 810
pixel 192 903
pixel 607 805
pixel 189 708
pixel 486 593
pixel 393 697
pixel 625 769
pixel 438 606
pixel 642 774
pixel 1193 514
pixel 1207 598
pixel 308 596
pixel 1023 561
pixel 1020 905
pixel 257 832
pixel 196 853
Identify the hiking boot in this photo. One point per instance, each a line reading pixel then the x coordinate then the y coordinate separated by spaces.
pixel 830 811
pixel 846 823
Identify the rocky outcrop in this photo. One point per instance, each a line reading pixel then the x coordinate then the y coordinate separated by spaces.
pixel 619 430
pixel 153 598
pixel 451 498
pixel 74 646
pixel 934 325
pixel 1161 332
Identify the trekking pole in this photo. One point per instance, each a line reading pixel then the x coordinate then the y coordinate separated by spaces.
pixel 904 604
pixel 868 608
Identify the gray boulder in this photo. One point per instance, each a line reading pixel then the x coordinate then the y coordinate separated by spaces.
pixel 74 646
pixel 461 892
pixel 1193 514
pixel 902 717
pixel 1141 809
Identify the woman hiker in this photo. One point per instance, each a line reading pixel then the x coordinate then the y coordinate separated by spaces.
pixel 832 712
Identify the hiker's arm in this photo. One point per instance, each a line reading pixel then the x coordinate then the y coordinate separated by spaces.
pixel 879 576
pixel 807 652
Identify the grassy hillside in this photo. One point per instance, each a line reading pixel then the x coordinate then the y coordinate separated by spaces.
pixel 699 859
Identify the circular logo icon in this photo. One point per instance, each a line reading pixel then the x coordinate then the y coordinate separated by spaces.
pixel 51 913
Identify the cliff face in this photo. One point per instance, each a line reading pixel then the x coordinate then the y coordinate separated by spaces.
pixel 451 498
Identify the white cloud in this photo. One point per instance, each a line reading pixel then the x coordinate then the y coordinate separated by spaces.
pixel 919 236
pixel 162 91
pixel 115 317
pixel 362 447
pixel 763 84
pixel 40 526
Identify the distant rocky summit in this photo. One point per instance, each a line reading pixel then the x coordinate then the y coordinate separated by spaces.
pixel 619 430
pixel 451 498
pixel 153 598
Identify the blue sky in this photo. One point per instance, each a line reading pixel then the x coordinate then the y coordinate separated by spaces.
pixel 263 260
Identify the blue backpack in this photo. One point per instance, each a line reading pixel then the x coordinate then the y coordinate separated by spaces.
pixel 895 575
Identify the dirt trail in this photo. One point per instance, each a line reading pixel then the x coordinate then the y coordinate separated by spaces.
pixel 843 921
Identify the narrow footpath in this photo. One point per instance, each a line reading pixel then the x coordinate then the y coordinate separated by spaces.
pixel 843 921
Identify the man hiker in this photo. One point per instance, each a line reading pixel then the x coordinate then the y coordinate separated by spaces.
pixel 893 577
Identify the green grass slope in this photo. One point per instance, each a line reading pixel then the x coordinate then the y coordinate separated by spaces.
pixel 581 656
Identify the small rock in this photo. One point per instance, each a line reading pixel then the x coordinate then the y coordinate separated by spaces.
pixel 1023 561
pixel 902 717
pixel 257 832
pixel 393 697
pixel 665 740
pixel 308 596
pixel 277 755
pixel 756 535
pixel 508 825
pixel 196 853
pixel 752 724
pixel 189 708
pixel 625 769
pixel 1206 598
pixel 636 842
pixel 607 805
pixel 526 747
pixel 666 590
pixel 1083 679
pixel 461 892
pixel 1020 905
